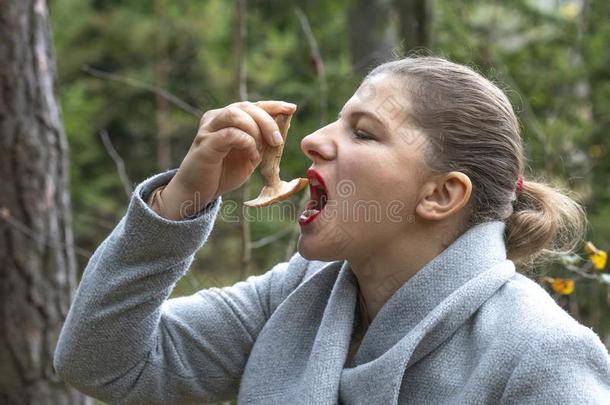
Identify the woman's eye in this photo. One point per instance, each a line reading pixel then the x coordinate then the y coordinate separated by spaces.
pixel 359 134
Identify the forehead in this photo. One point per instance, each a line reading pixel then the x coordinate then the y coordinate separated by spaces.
pixel 382 95
pixel 388 98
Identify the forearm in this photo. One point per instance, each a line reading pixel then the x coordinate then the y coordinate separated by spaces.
pixel 112 321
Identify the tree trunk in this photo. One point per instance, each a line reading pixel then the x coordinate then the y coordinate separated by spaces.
pixel 383 30
pixel 372 33
pixel 240 34
pixel 162 71
pixel 37 263
pixel 415 23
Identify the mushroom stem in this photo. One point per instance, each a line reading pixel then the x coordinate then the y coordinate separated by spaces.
pixel 274 188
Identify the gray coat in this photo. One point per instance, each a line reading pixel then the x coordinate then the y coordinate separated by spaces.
pixel 466 329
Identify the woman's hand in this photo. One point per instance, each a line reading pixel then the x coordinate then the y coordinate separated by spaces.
pixel 226 150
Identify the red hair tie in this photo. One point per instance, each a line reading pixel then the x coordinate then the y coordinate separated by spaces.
pixel 519 184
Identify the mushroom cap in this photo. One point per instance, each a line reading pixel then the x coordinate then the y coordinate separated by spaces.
pixel 282 191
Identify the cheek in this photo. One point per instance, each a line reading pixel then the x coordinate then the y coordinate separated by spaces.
pixel 376 176
pixel 390 185
pixel 365 172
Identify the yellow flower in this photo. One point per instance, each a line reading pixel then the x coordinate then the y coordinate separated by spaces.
pixel 598 257
pixel 563 286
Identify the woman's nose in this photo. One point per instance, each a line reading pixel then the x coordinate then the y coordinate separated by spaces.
pixel 318 146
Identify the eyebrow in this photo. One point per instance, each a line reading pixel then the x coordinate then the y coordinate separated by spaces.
pixel 368 114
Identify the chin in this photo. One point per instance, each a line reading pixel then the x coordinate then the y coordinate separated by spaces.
pixel 307 252
pixel 314 252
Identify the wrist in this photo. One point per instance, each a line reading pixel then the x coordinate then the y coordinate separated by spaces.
pixel 177 204
pixel 155 202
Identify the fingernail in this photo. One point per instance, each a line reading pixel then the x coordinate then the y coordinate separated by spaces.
pixel 290 105
pixel 277 138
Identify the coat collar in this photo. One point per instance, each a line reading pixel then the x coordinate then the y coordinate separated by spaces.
pixel 475 251
pixel 307 338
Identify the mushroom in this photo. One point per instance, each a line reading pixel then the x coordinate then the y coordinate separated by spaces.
pixel 275 189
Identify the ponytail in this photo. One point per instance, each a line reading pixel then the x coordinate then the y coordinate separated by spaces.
pixel 546 222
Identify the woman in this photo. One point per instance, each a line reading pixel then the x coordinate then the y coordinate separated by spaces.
pixel 420 304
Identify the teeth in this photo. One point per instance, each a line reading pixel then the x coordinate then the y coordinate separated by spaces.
pixel 314 182
pixel 310 212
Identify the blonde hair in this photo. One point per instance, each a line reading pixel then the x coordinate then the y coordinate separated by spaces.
pixel 472 128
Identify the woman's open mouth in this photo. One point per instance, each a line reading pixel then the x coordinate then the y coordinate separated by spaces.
pixel 318 199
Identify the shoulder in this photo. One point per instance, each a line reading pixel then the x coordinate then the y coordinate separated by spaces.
pixel 559 359
pixel 525 313
pixel 532 312
pixel 551 334
pixel 549 353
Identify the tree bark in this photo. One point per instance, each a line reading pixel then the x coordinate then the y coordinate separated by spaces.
pixel 415 23
pixel 372 33
pixel 162 71
pixel 37 263
pixel 240 35
pixel 384 30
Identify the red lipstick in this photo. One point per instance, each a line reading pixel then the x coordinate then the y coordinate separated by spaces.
pixel 319 196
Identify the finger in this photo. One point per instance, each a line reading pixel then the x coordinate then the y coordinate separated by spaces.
pixel 265 121
pixel 233 116
pixel 208 116
pixel 234 138
pixel 276 107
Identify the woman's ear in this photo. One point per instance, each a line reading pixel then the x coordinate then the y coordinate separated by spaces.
pixel 444 196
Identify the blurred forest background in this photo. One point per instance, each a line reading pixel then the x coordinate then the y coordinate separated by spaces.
pixel 133 79
pixel 115 58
